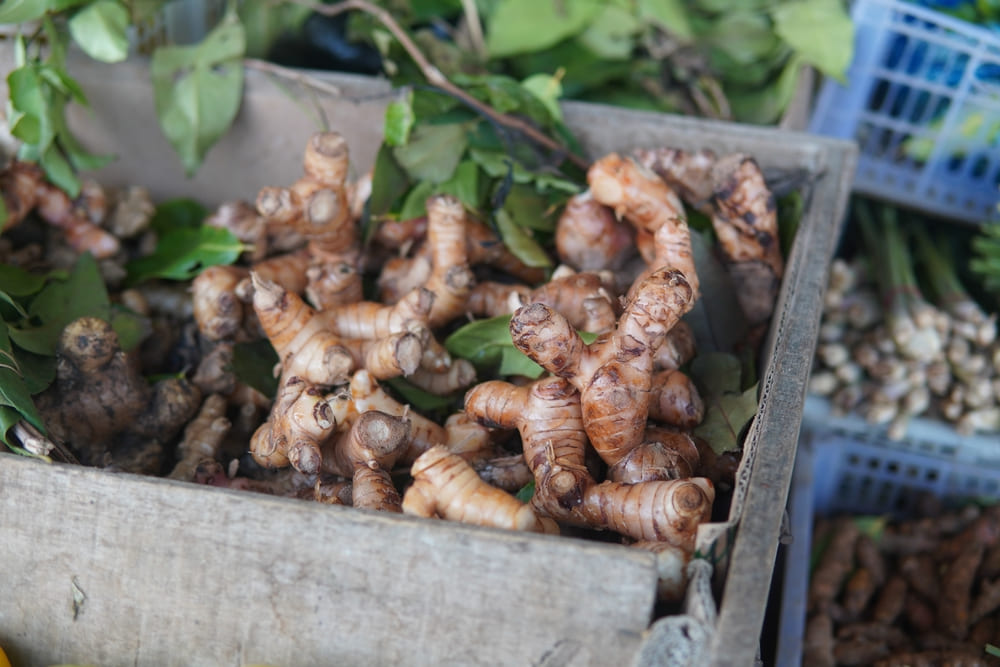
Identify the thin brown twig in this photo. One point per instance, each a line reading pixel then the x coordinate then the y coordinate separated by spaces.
pixel 294 75
pixel 436 78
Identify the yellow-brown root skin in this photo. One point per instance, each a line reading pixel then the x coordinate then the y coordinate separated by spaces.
pixel 445 485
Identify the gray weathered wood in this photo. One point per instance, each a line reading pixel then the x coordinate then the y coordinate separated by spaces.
pixel 173 574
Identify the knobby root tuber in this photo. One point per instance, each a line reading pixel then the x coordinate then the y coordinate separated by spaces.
pixel 445 485
pixel 102 407
pixel 24 189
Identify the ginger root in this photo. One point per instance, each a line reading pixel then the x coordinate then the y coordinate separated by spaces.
pixel 102 407
pixel 24 189
pixel 445 485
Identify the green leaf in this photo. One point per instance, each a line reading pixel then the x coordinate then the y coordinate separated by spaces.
pixel 22 11
pixel 399 119
pixel 60 171
pixel 27 97
pixel 820 31
pixel 718 377
pixel 463 185
pixel 548 90
pixel 612 33
pixel 13 389
pixel 745 36
pixel 488 345
pixel 197 90
pixel 253 364
pixel 529 209
pixel 389 182
pixel 179 212
pixel 992 650
pixel 422 400
pixel 520 242
pixel 101 30
pixel 668 15
pixel 82 293
pixel 414 205
pixel 525 493
pixel 183 252
pixel 433 152
pixel 520 26
pixel 497 164
pixel 18 282
pixel 725 418
pixel 764 104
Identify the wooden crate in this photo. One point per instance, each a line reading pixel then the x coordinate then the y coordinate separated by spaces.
pixel 120 569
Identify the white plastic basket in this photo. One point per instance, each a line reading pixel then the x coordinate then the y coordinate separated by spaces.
pixel 923 103
pixel 844 466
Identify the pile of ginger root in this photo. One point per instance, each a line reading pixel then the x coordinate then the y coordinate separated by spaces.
pixel 604 435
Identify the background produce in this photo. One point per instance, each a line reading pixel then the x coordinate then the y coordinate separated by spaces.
pixel 902 334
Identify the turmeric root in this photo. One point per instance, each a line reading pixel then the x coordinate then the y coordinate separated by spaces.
pixel 317 204
pixel 614 373
pixel 203 438
pixel 367 452
pixel 306 348
pixel 548 415
pixel 656 212
pixel 687 172
pixel 445 485
pixel 590 238
pixel 300 422
pixel 365 394
pixel 834 566
pixel 102 407
pixel 746 224
pixel 24 189
pixel 671 568
pixel 674 400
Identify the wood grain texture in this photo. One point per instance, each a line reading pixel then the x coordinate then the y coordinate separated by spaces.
pixel 167 573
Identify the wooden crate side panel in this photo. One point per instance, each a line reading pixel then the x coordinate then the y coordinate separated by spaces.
pixel 166 573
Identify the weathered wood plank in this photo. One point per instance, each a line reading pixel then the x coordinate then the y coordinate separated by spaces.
pixel 167 573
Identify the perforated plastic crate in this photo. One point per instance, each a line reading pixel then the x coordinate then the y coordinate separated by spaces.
pixel 922 101
pixel 844 466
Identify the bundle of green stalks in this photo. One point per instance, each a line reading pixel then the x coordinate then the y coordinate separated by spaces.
pixel 891 347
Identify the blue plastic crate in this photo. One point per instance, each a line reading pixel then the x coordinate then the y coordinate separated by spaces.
pixel 845 466
pixel 923 104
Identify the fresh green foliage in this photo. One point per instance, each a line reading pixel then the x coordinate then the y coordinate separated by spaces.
pixel 100 29
pixel 818 31
pixel 525 493
pixel 184 252
pixel 992 650
pixel 180 212
pixel 186 246
pixel 197 89
pixel 519 26
pixel 668 55
pixel 434 145
pixel 14 393
pixel 488 345
pixel 253 364
pixel 423 401
pixel 35 310
pixel 728 407
pixel 39 91
pixel 62 300
pixel 716 318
